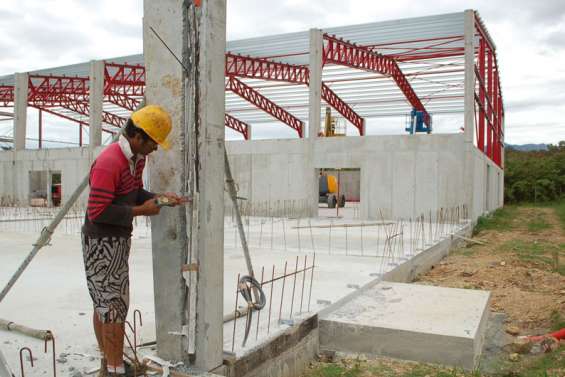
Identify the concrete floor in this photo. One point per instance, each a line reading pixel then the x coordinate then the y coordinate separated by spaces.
pixel 52 293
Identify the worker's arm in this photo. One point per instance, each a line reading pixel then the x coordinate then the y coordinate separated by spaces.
pixel 102 192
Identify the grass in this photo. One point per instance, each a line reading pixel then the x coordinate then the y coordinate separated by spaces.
pixel 548 365
pixel 377 369
pixel 537 253
pixel 557 321
pixel 501 220
pixel 559 208
pixel 538 223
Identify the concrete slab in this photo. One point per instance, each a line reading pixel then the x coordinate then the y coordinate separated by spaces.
pixel 411 322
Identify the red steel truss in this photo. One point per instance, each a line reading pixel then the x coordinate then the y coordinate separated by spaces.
pixel 264 69
pixel 337 51
pixel 488 99
pixel 237 125
pixel 254 97
pixel 67 92
pixel 122 83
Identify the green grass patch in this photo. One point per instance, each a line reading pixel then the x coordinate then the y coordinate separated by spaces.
pixel 549 365
pixel 559 208
pixel 501 220
pixel 557 321
pixel 538 223
pixel 537 253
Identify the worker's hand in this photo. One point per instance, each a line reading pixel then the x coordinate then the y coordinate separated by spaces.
pixel 175 199
pixel 148 208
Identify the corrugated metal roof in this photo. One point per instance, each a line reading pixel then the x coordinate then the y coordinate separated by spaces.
pixel 438 82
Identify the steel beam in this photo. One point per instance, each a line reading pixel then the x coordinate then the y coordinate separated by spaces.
pixel 254 97
pixel 338 51
pixel 265 69
pixel 237 125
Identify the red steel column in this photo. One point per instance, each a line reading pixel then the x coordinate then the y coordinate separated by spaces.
pixel 496 112
pixel 40 130
pixel 481 131
pixel 491 98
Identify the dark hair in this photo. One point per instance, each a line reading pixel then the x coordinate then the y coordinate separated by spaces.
pixel 131 130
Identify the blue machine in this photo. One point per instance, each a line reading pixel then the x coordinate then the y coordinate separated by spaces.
pixel 417 123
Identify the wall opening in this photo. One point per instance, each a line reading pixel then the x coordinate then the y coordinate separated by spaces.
pixel 45 189
pixel 339 192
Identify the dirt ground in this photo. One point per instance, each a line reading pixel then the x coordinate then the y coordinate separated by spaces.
pixel 525 287
pixel 521 261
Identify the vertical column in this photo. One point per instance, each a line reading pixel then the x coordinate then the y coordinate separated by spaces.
pixel 96 102
pixel 195 101
pixel 40 129
pixel 469 111
pixel 315 84
pixel 491 98
pixel 481 131
pixel 210 182
pixel 49 188
pixel 20 110
pixel 314 118
pixel 495 122
pixel 164 86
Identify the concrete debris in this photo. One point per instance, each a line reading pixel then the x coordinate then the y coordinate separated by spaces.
pixel 513 330
pixel 514 357
pixel 522 346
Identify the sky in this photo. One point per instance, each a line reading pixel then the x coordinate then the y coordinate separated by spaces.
pixel 529 36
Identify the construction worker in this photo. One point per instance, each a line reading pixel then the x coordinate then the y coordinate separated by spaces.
pixel 116 197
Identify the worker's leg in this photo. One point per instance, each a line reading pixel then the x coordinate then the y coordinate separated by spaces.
pixel 107 272
pixel 98 332
pixel 114 346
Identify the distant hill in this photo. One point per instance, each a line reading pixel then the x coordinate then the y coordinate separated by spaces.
pixel 528 147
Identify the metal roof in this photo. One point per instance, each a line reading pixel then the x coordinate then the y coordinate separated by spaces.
pixel 438 82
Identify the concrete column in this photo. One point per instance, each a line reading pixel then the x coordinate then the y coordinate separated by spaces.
pixel 96 102
pixel 20 110
pixel 49 185
pixel 315 87
pixel 208 229
pixel 193 98
pixel 314 119
pixel 469 110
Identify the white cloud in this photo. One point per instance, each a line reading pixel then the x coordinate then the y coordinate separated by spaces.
pixel 529 36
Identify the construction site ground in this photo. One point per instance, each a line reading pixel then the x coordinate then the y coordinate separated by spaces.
pixel 521 260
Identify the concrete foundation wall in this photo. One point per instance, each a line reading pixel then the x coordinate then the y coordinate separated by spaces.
pixel 402 176
pixel 488 185
pixel 73 163
pixel 287 355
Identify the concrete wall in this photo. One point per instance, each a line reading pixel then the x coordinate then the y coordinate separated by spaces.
pixel 402 176
pixel 488 185
pixel 73 163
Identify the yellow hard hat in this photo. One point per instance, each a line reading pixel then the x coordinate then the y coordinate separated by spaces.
pixel 156 123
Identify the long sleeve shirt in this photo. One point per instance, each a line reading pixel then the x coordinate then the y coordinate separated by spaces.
pixel 116 186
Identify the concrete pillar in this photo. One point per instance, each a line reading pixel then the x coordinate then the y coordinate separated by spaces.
pixel 314 118
pixel 96 102
pixel 48 190
pixel 315 87
pixel 20 110
pixel 202 341
pixel 208 229
pixel 469 110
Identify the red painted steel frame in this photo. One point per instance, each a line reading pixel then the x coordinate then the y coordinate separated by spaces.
pixel 254 97
pixel 337 51
pixel 237 125
pixel 264 69
pixel 489 99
